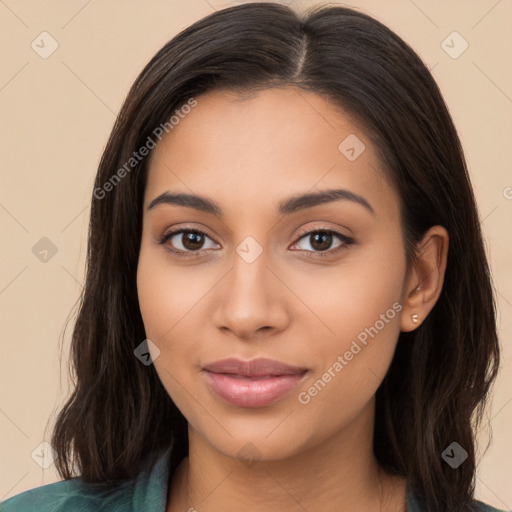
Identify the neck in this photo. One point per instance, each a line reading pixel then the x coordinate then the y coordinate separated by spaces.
pixel 339 475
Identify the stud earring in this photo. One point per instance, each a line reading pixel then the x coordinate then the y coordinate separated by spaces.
pixel 414 318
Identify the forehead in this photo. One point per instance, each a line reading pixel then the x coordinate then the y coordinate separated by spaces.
pixel 263 146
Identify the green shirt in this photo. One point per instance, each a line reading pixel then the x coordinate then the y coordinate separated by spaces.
pixel 147 493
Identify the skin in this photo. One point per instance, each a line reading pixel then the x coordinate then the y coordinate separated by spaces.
pixel 248 154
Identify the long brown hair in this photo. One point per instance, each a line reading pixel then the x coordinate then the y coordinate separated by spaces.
pixel 119 414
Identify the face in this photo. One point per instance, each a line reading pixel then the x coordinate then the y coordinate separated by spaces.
pixel 317 285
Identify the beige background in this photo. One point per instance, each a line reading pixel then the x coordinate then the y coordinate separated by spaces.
pixel 57 113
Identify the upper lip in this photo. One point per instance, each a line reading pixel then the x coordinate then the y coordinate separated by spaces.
pixel 253 368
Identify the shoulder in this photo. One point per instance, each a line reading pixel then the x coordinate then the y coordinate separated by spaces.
pixel 69 495
pixel 55 497
pixel 74 495
pixel 413 505
pixel 483 507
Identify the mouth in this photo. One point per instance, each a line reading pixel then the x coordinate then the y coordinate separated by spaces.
pixel 254 383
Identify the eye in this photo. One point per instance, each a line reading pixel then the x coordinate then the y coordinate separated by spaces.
pixel 187 245
pixel 321 240
pixel 190 245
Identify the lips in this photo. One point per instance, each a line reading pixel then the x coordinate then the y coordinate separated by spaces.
pixel 253 383
pixel 253 368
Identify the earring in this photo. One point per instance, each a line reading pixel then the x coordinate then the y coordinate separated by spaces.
pixel 414 318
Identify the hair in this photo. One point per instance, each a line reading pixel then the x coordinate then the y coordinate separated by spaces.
pixel 119 413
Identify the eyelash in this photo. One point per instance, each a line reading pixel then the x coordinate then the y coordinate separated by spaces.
pixel 303 234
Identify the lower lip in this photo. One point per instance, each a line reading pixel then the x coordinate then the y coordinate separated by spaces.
pixel 252 392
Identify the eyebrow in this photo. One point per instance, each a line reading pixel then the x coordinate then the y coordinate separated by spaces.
pixel 291 205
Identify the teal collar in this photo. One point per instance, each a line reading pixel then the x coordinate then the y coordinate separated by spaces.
pixel 412 503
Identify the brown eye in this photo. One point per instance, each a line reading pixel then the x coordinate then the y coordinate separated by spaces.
pixel 320 241
pixel 185 241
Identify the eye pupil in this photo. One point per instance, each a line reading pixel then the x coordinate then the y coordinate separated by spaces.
pixel 322 238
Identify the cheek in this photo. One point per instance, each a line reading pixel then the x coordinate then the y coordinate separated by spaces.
pixel 165 295
pixel 170 305
pixel 360 308
pixel 361 292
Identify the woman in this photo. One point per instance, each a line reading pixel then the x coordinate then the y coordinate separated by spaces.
pixel 288 304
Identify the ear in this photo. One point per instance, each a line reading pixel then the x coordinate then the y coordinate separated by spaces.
pixel 425 280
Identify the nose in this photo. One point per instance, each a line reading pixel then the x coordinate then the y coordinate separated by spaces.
pixel 252 301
